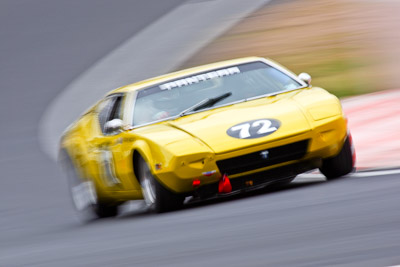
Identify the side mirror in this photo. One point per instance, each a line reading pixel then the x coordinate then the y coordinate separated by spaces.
pixel 114 126
pixel 305 77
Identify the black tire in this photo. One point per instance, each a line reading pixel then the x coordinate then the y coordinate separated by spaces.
pixel 93 208
pixel 341 164
pixel 156 196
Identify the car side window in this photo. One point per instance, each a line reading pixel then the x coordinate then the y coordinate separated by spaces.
pixel 110 109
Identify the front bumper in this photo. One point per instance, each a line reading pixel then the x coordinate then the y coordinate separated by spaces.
pixel 260 179
pixel 293 155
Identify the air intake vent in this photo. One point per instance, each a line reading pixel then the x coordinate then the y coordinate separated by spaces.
pixel 263 158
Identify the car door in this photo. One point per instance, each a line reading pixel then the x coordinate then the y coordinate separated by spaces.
pixel 108 147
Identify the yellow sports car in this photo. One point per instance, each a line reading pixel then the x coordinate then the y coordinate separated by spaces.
pixel 207 131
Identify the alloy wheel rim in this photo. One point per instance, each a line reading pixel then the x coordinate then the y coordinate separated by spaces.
pixel 148 190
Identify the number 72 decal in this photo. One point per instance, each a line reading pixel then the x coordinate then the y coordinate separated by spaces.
pixel 254 129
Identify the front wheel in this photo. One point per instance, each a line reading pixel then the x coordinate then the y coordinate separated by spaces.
pixel 157 197
pixel 341 164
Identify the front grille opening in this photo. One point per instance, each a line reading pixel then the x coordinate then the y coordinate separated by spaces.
pixel 263 158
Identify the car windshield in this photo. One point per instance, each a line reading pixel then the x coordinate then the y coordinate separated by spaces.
pixel 204 90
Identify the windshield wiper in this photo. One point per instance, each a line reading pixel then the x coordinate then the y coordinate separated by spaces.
pixel 205 103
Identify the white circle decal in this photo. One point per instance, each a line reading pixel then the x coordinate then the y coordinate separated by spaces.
pixel 254 129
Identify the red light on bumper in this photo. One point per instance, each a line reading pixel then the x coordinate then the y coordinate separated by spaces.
pixel 196 183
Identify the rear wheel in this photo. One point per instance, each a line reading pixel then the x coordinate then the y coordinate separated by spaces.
pixel 341 164
pixel 84 196
pixel 157 197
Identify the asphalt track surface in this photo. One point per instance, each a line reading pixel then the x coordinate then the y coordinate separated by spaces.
pixel 44 45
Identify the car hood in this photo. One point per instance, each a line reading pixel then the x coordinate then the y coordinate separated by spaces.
pixel 245 124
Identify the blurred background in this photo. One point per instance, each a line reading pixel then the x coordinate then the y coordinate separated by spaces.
pixel 349 47
pixel 58 57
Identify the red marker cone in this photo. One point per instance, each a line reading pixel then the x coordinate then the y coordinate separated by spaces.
pixel 224 185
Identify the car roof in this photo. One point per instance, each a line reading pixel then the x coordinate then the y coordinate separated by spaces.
pixel 186 72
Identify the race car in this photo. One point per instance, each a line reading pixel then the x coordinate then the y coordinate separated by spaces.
pixel 203 132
